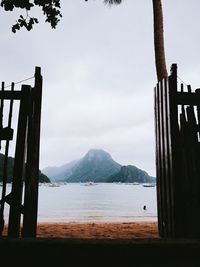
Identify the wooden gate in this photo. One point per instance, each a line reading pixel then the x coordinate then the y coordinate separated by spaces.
pixel 177 124
pixel 26 159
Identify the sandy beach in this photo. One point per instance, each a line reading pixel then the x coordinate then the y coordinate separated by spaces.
pixel 106 230
pixel 98 230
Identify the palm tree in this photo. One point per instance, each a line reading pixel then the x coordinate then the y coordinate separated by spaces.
pixel 158 37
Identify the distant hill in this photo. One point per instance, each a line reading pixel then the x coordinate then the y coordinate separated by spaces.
pixel 131 174
pixel 97 166
pixel 61 173
pixel 42 177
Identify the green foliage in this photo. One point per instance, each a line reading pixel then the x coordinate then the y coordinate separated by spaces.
pixel 131 174
pixel 50 8
pixel 42 178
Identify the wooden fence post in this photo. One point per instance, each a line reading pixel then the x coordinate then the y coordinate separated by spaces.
pixel 158 161
pixel 32 165
pixel 19 165
pixel 5 165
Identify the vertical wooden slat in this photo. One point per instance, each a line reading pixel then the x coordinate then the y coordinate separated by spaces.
pixel 175 151
pixel 1 110
pixel 194 176
pixel 186 169
pixel 158 159
pixel 6 166
pixel 197 91
pixel 163 171
pixel 1 127
pixel 169 158
pixel 162 210
pixel 162 162
pixel 32 170
pixel 186 185
pixel 19 165
pixel 166 156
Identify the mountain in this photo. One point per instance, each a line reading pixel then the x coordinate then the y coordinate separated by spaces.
pixel 131 174
pixel 42 177
pixel 97 165
pixel 58 174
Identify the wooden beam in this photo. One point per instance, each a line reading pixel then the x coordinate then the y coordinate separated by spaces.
pixel 8 95
pixel 185 98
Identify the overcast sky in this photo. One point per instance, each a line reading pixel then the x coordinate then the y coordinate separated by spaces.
pixel 99 74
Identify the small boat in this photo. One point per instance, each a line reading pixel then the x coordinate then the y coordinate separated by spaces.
pixel 149 185
pixel 53 185
pixel 90 183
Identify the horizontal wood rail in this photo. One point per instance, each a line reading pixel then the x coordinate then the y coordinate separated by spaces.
pixel 185 98
pixel 8 95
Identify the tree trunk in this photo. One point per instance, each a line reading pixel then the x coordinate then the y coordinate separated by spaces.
pixel 159 40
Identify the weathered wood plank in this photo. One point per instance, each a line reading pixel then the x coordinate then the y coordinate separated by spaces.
pixel 1 127
pixel 162 162
pixel 166 155
pixel 158 159
pixel 19 166
pixel 170 160
pixel 5 166
pixel 1 110
pixel 197 91
pixel 8 95
pixel 32 174
pixel 186 185
pixel 185 98
pixel 194 181
pixel 175 149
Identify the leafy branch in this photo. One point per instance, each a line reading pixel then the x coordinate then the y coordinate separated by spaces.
pixel 50 8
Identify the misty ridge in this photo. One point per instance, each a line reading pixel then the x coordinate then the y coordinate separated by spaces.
pixel 97 166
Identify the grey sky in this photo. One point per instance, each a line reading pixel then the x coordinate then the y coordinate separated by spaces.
pixel 99 74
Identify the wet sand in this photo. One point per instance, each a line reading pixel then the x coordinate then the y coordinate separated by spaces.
pixel 98 230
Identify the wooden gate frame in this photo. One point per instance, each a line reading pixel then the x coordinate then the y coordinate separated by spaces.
pixel 26 163
pixel 177 128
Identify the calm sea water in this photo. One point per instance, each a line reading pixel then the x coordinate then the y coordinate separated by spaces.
pixel 98 203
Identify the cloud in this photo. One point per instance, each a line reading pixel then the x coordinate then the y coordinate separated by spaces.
pixel 99 74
